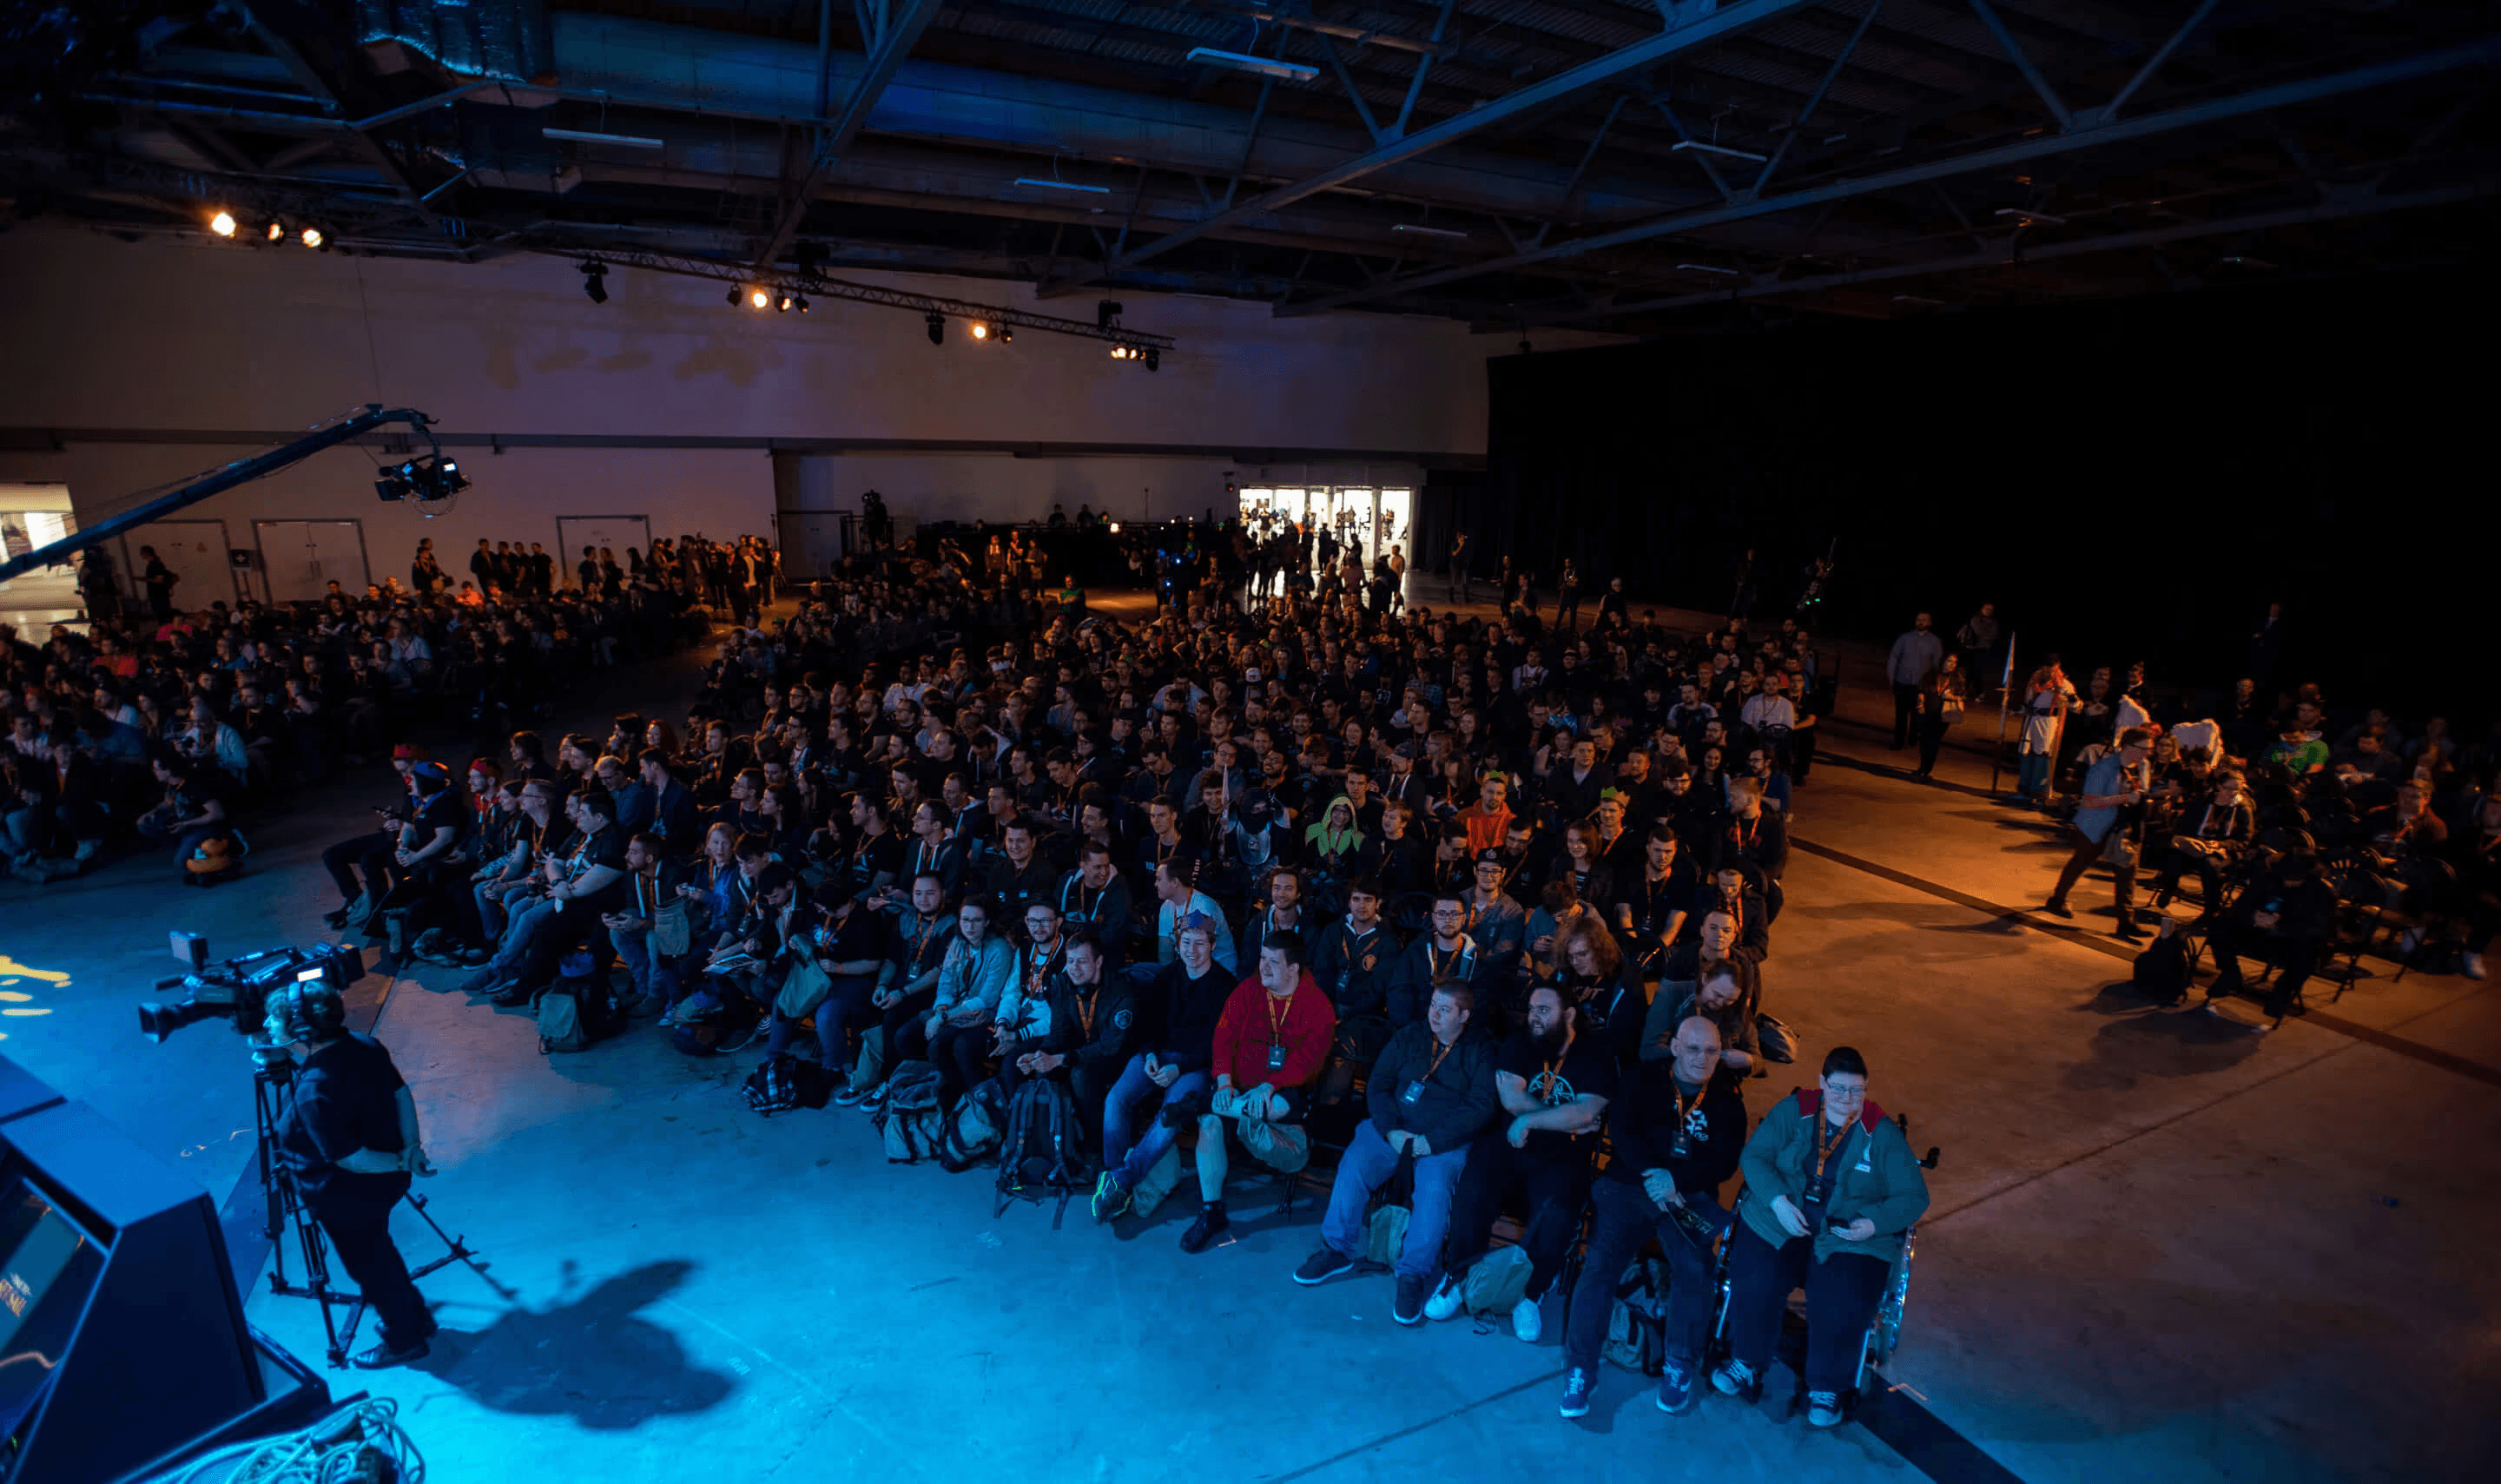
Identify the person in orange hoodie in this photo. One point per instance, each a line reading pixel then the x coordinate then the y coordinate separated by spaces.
pixel 1270 1042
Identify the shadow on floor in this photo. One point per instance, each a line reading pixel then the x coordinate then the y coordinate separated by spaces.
pixel 593 1360
pixel 2141 1042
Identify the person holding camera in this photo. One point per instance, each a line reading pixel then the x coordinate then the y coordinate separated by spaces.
pixel 1830 1187
pixel 348 1135
pixel 1677 1133
pixel 2113 799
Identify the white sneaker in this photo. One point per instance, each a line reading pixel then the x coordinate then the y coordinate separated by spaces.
pixel 2472 965
pixel 1526 1321
pixel 1445 1302
pixel 1822 1409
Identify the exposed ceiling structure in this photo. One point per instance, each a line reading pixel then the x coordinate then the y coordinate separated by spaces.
pixel 1514 163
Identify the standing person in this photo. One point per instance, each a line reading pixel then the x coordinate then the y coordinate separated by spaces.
pixel 1830 1188
pixel 1462 591
pixel 2045 719
pixel 1911 666
pixel 2113 799
pixel 159 580
pixel 1744 598
pixel 2266 647
pixel 1976 640
pixel 1941 707
pixel 1567 596
pixel 349 1136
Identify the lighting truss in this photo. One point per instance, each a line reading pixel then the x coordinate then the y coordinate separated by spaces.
pixel 815 287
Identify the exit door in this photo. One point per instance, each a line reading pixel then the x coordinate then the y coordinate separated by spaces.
pixel 299 559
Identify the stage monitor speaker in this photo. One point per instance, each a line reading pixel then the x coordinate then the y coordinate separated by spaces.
pixel 121 1332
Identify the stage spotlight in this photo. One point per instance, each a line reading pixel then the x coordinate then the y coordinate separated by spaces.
pixel 223 224
pixel 312 237
pixel 799 302
pixel 937 328
pixel 594 276
pixel 782 303
pixel 1154 359
pixel 759 298
pixel 980 331
pixel 1106 311
pixel 734 296
pixel 1006 336
pixel 277 232
pixel 1119 352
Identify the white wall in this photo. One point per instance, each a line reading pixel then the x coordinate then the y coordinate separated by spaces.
pixel 96 333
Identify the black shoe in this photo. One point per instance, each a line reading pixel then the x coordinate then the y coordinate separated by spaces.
pixel 383 1355
pixel 516 995
pixel 338 919
pixel 1324 1265
pixel 1185 1112
pixel 1408 1308
pixel 2130 933
pixel 2056 906
pixel 1210 1224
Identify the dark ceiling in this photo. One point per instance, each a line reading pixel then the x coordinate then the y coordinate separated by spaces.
pixel 1514 163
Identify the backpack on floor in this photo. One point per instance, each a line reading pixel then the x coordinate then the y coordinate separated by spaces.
pixel 910 1121
pixel 971 1129
pixel 1157 1185
pixel 1637 1323
pixel 577 1008
pixel 1496 1282
pixel 1044 1145
pixel 711 1034
pixel 785 1083
pixel 2161 971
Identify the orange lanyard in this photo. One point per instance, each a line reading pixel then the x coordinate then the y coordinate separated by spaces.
pixel 1278 1008
pixel 1438 1051
pixel 1547 1078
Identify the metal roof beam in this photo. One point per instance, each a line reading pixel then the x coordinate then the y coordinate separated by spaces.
pixel 2484 52
pixel 1700 26
pixel 899 24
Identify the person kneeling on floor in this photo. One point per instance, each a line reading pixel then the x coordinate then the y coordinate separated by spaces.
pixel 1676 1133
pixel 1430 1092
pixel 1270 1042
pixel 1830 1188
pixel 1554 1084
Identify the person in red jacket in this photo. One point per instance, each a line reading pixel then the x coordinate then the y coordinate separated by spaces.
pixel 1270 1042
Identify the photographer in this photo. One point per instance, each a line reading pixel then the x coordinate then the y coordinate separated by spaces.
pixel 1830 1188
pixel 349 1136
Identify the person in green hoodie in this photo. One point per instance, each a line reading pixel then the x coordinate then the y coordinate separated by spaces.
pixel 1830 1188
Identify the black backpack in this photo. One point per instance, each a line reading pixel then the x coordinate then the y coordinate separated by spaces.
pixel 2161 970
pixel 1044 1148
pixel 785 1082
pixel 579 1009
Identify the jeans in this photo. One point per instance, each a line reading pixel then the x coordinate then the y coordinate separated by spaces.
pixel 1626 1219
pixel 23 831
pixel 1126 1149
pixel 1841 1292
pixel 1905 696
pixel 519 932
pixel 371 853
pixel 845 1006
pixel 355 1210
pixel 644 967
pixel 1368 1162
pixel 1556 1186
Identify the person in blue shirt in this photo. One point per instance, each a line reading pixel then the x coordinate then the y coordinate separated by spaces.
pixel 2113 799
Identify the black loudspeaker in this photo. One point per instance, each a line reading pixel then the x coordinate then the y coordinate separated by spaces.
pixel 121 1332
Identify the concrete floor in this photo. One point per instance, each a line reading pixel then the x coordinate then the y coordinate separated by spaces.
pixel 2159 1244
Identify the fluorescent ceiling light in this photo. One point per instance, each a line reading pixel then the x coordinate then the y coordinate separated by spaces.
pixel 1100 190
pixel 1695 144
pixel 1292 72
pixel 1706 268
pixel 2008 210
pixel 1426 231
pixel 587 137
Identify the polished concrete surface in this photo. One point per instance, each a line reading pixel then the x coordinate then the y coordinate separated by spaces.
pixel 2160 1244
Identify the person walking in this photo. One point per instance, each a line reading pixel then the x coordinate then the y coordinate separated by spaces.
pixel 2113 801
pixel 1941 709
pixel 1911 667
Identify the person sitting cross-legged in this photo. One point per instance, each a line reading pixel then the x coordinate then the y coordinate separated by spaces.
pixel 1676 1133
pixel 1270 1042
pixel 1554 1081
pixel 1430 1092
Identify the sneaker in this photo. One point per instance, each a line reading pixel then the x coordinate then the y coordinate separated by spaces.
pixel 872 1100
pixel 763 1024
pixel 846 1096
pixel 1736 1379
pixel 1527 1321
pixel 2471 964
pixel 1576 1393
pixel 1407 1305
pixel 1323 1266
pixel 1445 1302
pixel 383 1355
pixel 1210 1224
pixel 1675 1387
pixel 476 958
pixel 338 919
pixel 481 981
pixel 2056 906
pixel 510 996
pixel 86 850
pixel 1822 1409
pixel 1111 1195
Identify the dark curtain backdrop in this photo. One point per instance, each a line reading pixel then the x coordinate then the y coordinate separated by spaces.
pixel 2127 480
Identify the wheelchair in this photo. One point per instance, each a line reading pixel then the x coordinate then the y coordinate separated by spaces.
pixel 1876 1347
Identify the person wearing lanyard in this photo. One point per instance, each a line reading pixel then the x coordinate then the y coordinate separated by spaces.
pixel 1675 1136
pixel 1092 1019
pixel 1270 1042
pixel 1554 1084
pixel 1830 1188
pixel 1094 896
pixel 1447 954
pixel 906 986
pixel 1431 1091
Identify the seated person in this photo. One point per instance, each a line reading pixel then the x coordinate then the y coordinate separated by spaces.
pixel 1270 1041
pixel 1445 953
pixel 1830 1188
pixel 194 806
pixel 1174 1047
pixel 977 973
pixel 906 985
pixel 1085 1037
pixel 1674 1134
pixel 848 944
pixel 1177 889
pixel 1430 1093
pixel 1096 896
pixel 2211 834
pixel 2283 917
pixel 1554 1081
pixel 581 888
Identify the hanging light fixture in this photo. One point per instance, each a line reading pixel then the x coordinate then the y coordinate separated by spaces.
pixel 937 323
pixel 223 224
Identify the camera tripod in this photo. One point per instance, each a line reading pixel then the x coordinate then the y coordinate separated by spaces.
pixel 287 1207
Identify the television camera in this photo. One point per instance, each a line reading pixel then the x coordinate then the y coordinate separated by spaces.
pixel 237 989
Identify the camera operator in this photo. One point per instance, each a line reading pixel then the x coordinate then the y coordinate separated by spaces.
pixel 1830 1188
pixel 348 1137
